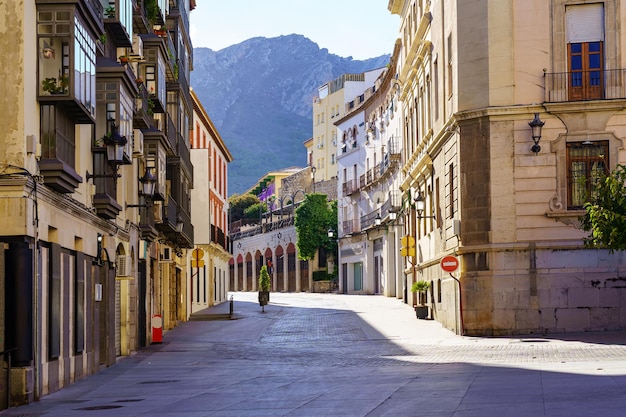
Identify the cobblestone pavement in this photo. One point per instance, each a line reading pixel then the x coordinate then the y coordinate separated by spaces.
pixel 338 355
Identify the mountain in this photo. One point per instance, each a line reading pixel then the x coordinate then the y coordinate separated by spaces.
pixel 259 94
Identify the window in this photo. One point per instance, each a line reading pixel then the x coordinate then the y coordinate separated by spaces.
pixel 57 136
pixel 585 51
pixel 587 164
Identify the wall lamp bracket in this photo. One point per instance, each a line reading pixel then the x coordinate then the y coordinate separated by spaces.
pixel 90 176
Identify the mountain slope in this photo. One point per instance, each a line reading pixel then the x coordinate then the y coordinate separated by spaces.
pixel 259 95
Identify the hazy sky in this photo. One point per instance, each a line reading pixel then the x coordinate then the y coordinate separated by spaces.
pixel 358 28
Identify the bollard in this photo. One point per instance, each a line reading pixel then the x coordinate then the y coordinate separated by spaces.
pixel 232 301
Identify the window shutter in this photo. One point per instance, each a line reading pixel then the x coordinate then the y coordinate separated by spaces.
pixel 585 23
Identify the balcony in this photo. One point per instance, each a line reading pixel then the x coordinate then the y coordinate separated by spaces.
pixel 142 117
pixel 369 220
pixel 177 227
pixel 585 85
pixel 349 227
pixel 349 187
pixel 118 19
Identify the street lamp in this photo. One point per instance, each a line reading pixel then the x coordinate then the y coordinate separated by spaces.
pixel 420 205
pixel 148 183
pixel 115 144
pixel 535 126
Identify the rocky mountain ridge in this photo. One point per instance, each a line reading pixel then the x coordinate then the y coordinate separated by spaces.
pixel 259 94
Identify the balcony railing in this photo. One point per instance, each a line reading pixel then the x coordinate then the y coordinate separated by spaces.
pixel 349 227
pixel 585 85
pixel 369 220
pixel 350 187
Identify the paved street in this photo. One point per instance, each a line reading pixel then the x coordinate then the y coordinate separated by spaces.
pixel 338 355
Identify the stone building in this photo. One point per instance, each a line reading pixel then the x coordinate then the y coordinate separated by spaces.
pixel 503 197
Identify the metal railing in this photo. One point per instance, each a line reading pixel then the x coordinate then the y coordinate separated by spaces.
pixel 585 85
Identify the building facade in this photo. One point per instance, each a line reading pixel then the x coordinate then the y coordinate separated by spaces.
pixel 271 240
pixel 94 183
pixel 368 161
pixel 498 195
pixel 209 260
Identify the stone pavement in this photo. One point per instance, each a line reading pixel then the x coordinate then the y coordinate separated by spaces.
pixel 342 355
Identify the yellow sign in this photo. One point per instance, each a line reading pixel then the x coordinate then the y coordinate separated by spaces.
pixel 408 246
pixel 196 258
pixel 408 241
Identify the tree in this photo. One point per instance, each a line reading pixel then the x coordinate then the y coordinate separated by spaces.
pixel 605 216
pixel 240 207
pixel 264 279
pixel 314 216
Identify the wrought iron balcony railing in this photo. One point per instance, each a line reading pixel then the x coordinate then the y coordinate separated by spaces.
pixel 585 85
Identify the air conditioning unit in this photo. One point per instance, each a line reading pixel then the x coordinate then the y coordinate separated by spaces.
pixel 166 255
pixel 137 142
pixel 123 266
pixel 137 50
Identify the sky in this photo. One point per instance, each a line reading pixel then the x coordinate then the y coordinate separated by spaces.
pixel 358 28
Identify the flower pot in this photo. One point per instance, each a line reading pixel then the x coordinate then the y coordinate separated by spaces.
pixel 421 312
pixel 264 298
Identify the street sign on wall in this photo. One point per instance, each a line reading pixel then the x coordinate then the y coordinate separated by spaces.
pixel 449 263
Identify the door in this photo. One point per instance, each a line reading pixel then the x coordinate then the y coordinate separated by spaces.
pixel 358 276
pixel 586 77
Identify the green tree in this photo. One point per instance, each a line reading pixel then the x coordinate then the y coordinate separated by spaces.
pixel 314 216
pixel 605 216
pixel 264 279
pixel 240 207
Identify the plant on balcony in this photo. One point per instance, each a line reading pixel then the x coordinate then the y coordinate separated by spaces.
pixel 109 12
pixel 150 110
pixel 152 10
pixel 52 85
pixel 123 59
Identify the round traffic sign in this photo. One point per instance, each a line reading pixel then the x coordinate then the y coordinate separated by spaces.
pixel 449 263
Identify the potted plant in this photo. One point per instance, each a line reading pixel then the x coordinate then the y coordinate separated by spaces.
pixel 110 12
pixel 51 85
pixel 421 288
pixel 123 59
pixel 264 287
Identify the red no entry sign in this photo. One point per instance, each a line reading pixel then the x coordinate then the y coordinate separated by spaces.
pixel 449 263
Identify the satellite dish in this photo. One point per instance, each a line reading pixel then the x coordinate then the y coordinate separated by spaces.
pixel 378 197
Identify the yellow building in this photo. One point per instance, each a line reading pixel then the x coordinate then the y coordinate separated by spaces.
pixel 94 184
pixel 209 260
